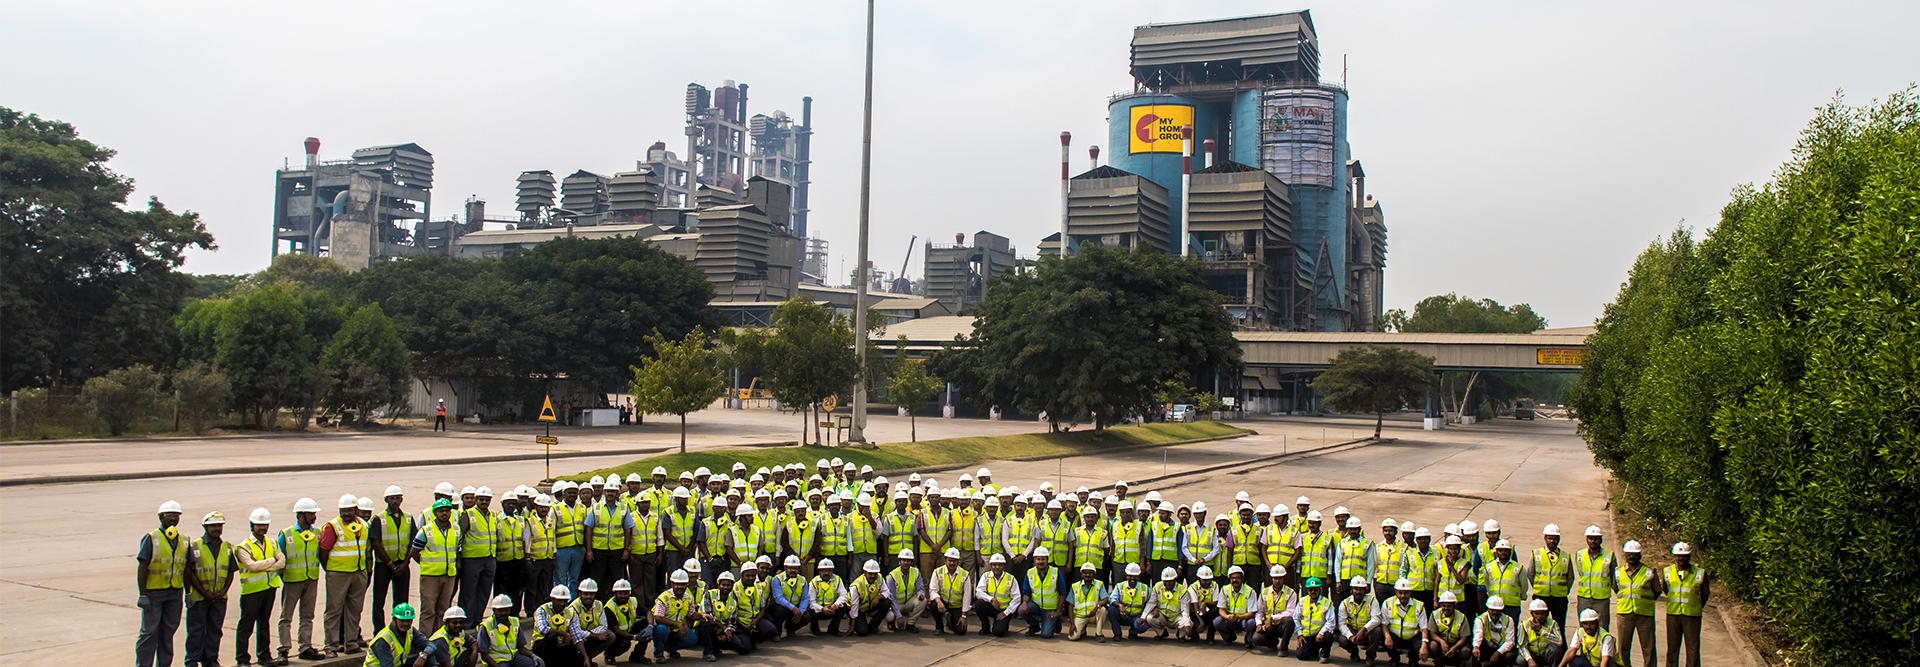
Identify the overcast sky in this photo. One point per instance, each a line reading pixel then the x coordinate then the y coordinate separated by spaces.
pixel 1523 152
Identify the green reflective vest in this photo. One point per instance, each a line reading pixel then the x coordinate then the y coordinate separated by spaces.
pixel 1686 591
pixel 401 648
pixel 167 568
pixel 478 534
pixel 609 527
pixel 254 582
pixel 1635 594
pixel 1044 587
pixel 302 546
pixel 211 567
pixel 503 639
pixel 1590 574
pixel 1404 621
pixel 1449 626
pixel 1549 570
pixel 441 555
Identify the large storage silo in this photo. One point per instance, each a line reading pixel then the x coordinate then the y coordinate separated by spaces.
pixel 1301 137
pixel 1143 135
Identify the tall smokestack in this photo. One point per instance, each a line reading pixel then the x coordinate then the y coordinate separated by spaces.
pixel 1066 139
pixel 1093 155
pixel 1206 147
pixel 802 166
pixel 313 151
pixel 1186 187
pixel 743 105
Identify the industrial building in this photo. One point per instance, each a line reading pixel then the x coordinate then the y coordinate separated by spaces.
pixel 957 273
pixel 370 207
pixel 1278 209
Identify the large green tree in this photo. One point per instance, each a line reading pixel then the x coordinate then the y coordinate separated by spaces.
pixel 267 354
pixel 1375 379
pixel 806 356
pixel 1759 391
pixel 85 285
pixel 1092 337
pixel 366 364
pixel 681 377
pixel 911 386
pixel 1452 313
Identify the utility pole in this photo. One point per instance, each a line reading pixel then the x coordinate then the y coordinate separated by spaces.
pixel 858 432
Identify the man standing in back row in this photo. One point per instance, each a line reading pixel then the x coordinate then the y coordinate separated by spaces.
pixel 161 580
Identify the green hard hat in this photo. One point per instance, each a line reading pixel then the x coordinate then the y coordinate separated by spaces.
pixel 1313 582
pixel 442 502
pixel 403 611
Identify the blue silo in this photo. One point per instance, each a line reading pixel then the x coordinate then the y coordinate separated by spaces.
pixel 1157 158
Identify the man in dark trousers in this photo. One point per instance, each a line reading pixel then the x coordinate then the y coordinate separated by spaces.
pixel 440 415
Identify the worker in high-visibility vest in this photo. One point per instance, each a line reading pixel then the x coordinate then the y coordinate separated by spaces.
pixel 345 556
pixel 1505 577
pixel 1449 632
pixel 1541 642
pixel 479 534
pixel 1636 586
pixel 952 595
pixel 1592 646
pixel 1550 575
pixel 449 645
pixel 1593 570
pixel 1386 560
pixel 397 644
pixel 1405 619
pixel 436 547
pixel 1495 633
pixel 1353 621
pixel 161 582
pixel 1318 617
pixel 299 580
pixel 390 533
pixel 1686 588
pixel 1041 589
pixel 1086 602
pixel 209 575
pixel 260 564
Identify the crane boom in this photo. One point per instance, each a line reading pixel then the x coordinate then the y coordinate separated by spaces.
pixel 904 262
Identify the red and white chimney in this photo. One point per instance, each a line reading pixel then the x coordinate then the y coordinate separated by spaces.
pixel 313 151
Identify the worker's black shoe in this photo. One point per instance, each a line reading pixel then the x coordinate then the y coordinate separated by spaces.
pixel 351 650
pixel 311 654
pixel 709 657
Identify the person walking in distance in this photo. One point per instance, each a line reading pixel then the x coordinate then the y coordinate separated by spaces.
pixel 343 554
pixel 260 564
pixel 160 579
pixel 299 579
pixel 440 415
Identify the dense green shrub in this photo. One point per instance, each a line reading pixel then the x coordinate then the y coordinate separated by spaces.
pixel 1760 390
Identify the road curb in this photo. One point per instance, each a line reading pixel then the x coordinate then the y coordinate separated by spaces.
pixel 317 467
pixel 1309 453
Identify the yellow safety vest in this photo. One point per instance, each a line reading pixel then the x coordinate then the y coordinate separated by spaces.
pixel 745 545
pixel 677 607
pixel 1246 544
pixel 900 532
pixel 399 648
pixel 826 589
pixel 801 531
pixel 937 524
pixel 303 554
pixel 609 527
pixel 542 547
pixel 1089 546
pixel 1505 581
pixel 1280 547
pixel 569 525
pixel 396 535
pixel 1590 573
pixel 1133 597
pixel 1168 596
pixel 646 534
pixel 1054 535
pixel 1277 598
pixel 456 642
pixel 1356 613
pixel 254 582
pixel 1045 587
pixel 766 528
pixel 1353 558
pixel 1419 569
pixel 1238 598
pixel 1314 613
pixel 1448 626
pixel 167 568
pixel 952 583
pixel 833 535
pixel 350 551
pixel 1547 568
pixel 1539 640
pixel 1001 587
pixel 990 543
pixel 507 542
pixel 747 601
pixel 211 568
pixel 441 557
pixel 1086 596
pixel 1166 540
pixel 1447 582
pixel 1590 644
pixel 1019 533
pixel 1199 541
pixel 1387 562
pixel 1686 592
pixel 503 640
pixel 1404 622
pixel 1313 559
pixel 680 526
pixel 478 534
pixel 1635 595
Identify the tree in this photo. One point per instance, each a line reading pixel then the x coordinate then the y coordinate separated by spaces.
pixel 200 392
pixel 298 269
pixel 122 397
pixel 1755 391
pixel 679 378
pixel 912 386
pixel 1093 336
pixel 1452 313
pixel 267 354
pixel 85 285
pixel 806 357
pixel 1371 378
pixel 366 364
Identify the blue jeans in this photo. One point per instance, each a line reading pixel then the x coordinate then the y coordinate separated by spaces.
pixel 1037 619
pixel 1118 619
pixel 665 639
pixel 566 571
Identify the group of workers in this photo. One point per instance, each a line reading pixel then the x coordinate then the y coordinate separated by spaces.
pixel 730 561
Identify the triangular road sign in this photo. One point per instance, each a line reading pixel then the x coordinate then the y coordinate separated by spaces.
pixel 546 411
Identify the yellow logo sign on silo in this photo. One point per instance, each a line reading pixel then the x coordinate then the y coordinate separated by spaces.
pixel 1156 127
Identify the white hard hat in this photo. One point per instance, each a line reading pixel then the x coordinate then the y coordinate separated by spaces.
pixel 364 503
pixel 1452 541
pixel 1537 605
pixel 903 555
pixel 692 565
pixel 622 585
pixel 171 506
pixel 997 558
pixel 1277 571
pixel 301 505
pixel 702 471
pixel 866 469
pixel 1262 508
pixel 558 593
pixel 993 501
pixel 1042 551
pixel 1632 547
pixel 1217 518
pixel 213 517
pixel 588 586
pixel 1421 532
pixel 685 474
pixel 1388 523
pixel 662 470
pixel 1166 506
pixel 1313 515
pixel 1053 504
pixel 719 502
pixel 1451 529
pixel 1125 505
pixel 1491 526
pixel 596 481
pixel 1587 615
pixel 1469 527
pixel 443 488
pixel 743 510
pixel 913 477
pixel 1502 544
pixel 917 491
pixel 454 612
pixel 1445 596
pixel 1120 484
pixel 483 491
pixel 1358 582
pixel 501 601
pixel 900 495
pixel 1302 500
pixel 966 477
pixel 1241 496
pixel 1593 531
pixel 682 492
pixel 1551 529
pixel 822 463
pixel 826 563
pixel 1353 522
pixel 393 490
pixel 1111 500
pixel 1199 507
pixel 1133 569
pixel 794 561
pixel 1402 584
pixel 1337 511
pixel 1089 511
pixel 1153 496
pixel 1169 574
pixel 1495 603
pixel 347 501
pixel 1206 572
pixel 260 515
pixel 545 500
pixel 983 472
pixel 1406 526
pixel 1235 570
pixel 468 490
pixel 678 577
pixel 952 553
pixel 1682 549
pixel 1087 567
pixel 1046 486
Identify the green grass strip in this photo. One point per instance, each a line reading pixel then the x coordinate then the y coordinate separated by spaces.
pixel 929 453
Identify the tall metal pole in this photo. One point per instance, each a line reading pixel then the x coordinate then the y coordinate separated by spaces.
pixel 1066 138
pixel 858 432
pixel 1186 187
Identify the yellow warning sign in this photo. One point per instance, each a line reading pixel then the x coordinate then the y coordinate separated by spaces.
pixel 1559 356
pixel 546 411
pixel 829 403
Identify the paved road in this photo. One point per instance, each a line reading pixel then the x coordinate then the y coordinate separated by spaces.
pixel 64 588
